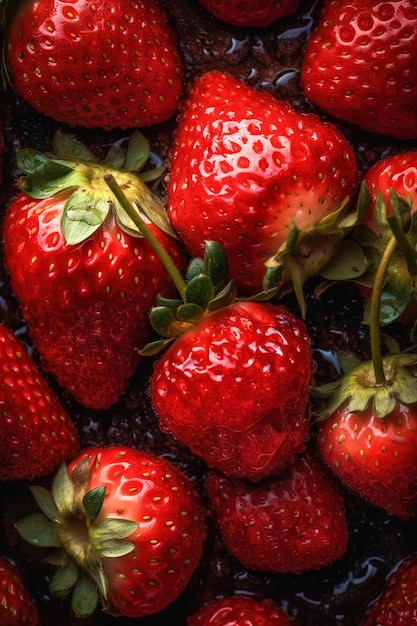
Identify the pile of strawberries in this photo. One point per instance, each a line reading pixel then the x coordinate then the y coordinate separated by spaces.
pixel 183 441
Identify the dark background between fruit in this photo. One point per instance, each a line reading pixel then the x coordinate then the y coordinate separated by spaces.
pixel 336 595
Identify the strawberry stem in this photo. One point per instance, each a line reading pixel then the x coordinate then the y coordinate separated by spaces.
pixel 406 249
pixel 376 309
pixel 147 233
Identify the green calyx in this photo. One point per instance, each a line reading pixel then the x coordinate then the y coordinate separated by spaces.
pixel 322 250
pixel 74 172
pixel 359 389
pixel 69 522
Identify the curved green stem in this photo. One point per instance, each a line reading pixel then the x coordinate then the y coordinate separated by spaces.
pixel 147 233
pixel 407 250
pixel 376 310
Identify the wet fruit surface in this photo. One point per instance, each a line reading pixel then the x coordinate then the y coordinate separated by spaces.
pixel 334 595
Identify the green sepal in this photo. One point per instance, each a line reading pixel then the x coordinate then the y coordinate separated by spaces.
pixel 199 291
pixel 84 213
pixel 46 177
pixel 38 530
pixel 155 347
pixel 272 277
pixel 394 300
pixel 358 389
pixel 64 579
pixel 68 148
pixel 190 312
pixel 45 501
pixel 162 319
pixel 224 297
pixel 216 263
pixel 63 491
pixel 195 268
pixel 84 597
pixel 93 501
pixel 349 263
pixel 171 303
pixel 108 536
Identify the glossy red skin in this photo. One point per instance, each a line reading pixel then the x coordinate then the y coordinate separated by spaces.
pixel 397 605
pixel 245 166
pixel 36 433
pixel 106 64
pixel 234 389
pixel 169 540
pixel 397 172
pixel 360 65
pixel 289 523
pixel 247 15
pixel 375 457
pixel 240 610
pixel 17 607
pixel 87 305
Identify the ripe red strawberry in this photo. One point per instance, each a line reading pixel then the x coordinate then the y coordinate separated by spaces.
pixel 397 605
pixel 264 181
pixel 288 523
pixel 84 277
pixel 392 185
pixel 109 64
pixel 234 388
pixel 17 607
pixel 131 528
pixel 36 434
pixel 245 14
pixel 360 65
pixel 238 610
pixel 369 437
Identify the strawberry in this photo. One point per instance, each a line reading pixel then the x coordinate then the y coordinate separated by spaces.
pixel 238 610
pixel 391 185
pixel 107 64
pixel 36 434
pixel 84 276
pixel 222 350
pixel 267 183
pixel 397 605
pixel 245 14
pixel 369 436
pixel 17 607
pixel 234 388
pixel 131 528
pixel 360 65
pixel 287 523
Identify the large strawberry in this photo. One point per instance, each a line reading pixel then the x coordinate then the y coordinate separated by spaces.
pixel 239 610
pixel 84 276
pixel 287 523
pixel 246 14
pixel 36 433
pixel 17 607
pixel 266 182
pixel 109 64
pixel 131 528
pixel 360 65
pixel 233 386
pixel 397 604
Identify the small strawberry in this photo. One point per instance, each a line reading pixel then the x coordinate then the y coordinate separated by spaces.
pixel 369 436
pixel 397 605
pixel 292 522
pixel 360 65
pixel 240 610
pixel 246 14
pixel 131 528
pixel 17 607
pixel 108 64
pixel 36 434
pixel 267 183
pixel 391 185
pixel 82 273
